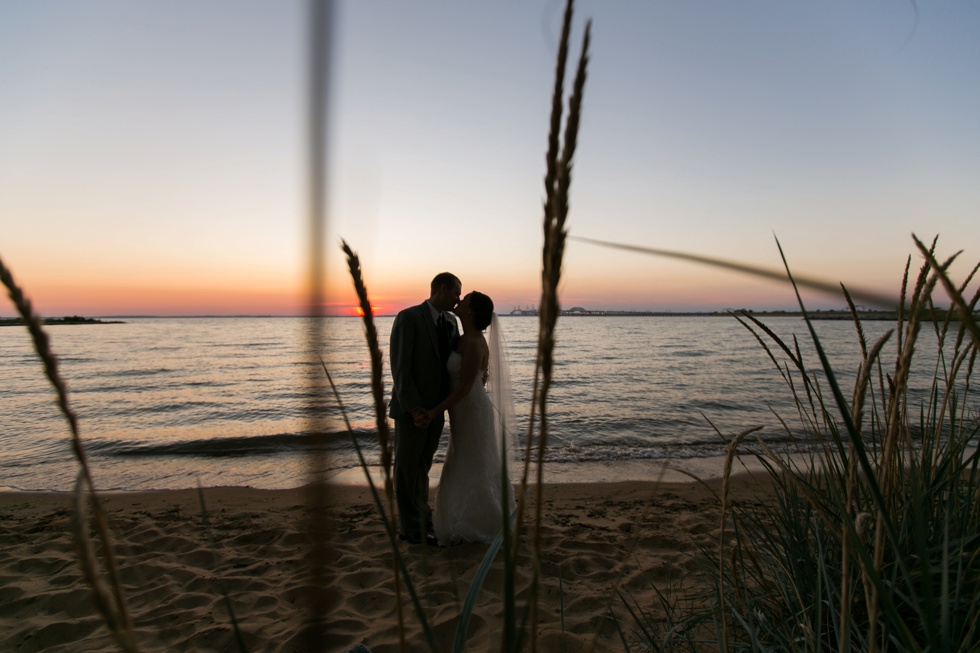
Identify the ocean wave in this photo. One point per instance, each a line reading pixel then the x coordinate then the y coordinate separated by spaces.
pixel 232 446
pixel 138 373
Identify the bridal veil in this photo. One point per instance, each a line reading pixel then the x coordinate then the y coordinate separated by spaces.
pixel 499 389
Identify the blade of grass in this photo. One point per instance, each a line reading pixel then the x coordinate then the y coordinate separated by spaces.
pixel 114 612
pixel 725 488
pixel 386 522
pixel 966 312
pixel 239 638
pixel 557 185
pixel 469 603
pixel 866 296
pixel 378 394
pixel 845 414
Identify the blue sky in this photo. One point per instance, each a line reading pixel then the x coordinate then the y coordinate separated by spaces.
pixel 152 157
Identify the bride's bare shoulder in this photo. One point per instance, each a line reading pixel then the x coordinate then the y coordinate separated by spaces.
pixel 474 342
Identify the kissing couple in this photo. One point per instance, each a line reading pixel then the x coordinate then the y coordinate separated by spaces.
pixel 435 369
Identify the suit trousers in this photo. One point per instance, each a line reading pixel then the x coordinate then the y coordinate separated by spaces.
pixel 414 449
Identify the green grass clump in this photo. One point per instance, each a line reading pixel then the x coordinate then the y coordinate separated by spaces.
pixel 872 543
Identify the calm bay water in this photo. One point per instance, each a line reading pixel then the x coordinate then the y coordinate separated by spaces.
pixel 170 402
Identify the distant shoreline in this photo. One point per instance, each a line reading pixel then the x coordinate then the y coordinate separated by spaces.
pixel 815 315
pixel 54 321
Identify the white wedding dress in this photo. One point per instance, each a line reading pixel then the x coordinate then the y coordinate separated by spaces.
pixel 469 500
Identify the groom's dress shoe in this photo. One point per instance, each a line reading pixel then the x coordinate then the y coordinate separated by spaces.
pixel 429 540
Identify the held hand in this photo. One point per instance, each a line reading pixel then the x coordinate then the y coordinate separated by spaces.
pixel 430 415
pixel 421 418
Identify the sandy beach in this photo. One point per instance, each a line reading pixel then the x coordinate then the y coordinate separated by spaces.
pixel 636 536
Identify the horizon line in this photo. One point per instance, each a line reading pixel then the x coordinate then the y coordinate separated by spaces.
pixel 574 312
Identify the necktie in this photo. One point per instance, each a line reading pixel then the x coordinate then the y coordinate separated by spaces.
pixel 442 331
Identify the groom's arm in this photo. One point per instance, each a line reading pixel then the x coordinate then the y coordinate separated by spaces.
pixel 402 352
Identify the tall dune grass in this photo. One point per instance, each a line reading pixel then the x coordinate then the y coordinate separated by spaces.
pixel 873 542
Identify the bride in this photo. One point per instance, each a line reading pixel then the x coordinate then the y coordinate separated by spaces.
pixel 474 490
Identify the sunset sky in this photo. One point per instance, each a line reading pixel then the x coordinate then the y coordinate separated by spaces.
pixel 152 153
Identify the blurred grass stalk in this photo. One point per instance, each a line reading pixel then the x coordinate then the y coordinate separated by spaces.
pixel 319 22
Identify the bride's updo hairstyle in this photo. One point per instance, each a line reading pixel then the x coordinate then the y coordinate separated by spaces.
pixel 482 309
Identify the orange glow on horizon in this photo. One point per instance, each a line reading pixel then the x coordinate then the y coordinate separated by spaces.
pixel 359 312
pixel 593 285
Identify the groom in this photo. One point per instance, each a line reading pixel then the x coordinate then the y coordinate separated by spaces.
pixel 421 338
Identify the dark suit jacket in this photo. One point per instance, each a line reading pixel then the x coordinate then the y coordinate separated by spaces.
pixel 416 366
